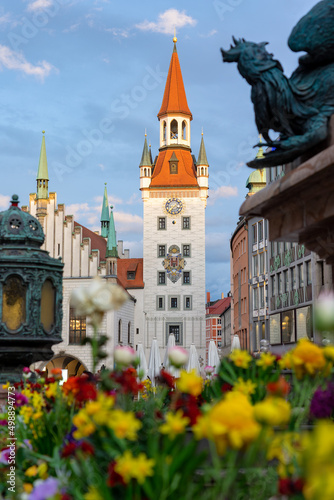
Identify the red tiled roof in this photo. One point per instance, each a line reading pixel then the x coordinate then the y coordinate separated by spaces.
pixel 186 175
pixel 97 241
pixel 219 306
pixel 174 100
pixel 125 265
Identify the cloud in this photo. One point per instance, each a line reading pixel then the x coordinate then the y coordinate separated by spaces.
pixel 125 222
pixel 72 28
pixel 77 209
pixel 222 192
pixel 4 201
pixel 167 21
pixel 135 247
pixel 118 32
pixel 16 61
pixel 217 247
pixel 5 19
pixel 208 35
pixel 39 5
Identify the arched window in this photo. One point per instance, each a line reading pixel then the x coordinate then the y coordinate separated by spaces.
pixel 164 126
pixel 184 130
pixel 119 331
pixel 174 129
pixel 129 332
pixel 145 174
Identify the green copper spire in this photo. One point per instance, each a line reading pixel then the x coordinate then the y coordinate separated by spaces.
pixel 145 158
pixel 202 159
pixel 111 243
pixel 42 174
pixel 105 214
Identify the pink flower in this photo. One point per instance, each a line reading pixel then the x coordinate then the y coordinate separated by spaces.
pixel 124 355
pixel 178 356
pixel 4 455
pixel 209 370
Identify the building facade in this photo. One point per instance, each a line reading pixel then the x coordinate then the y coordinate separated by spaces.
pixel 218 324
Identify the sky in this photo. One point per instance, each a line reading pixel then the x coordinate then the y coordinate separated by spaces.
pixel 91 73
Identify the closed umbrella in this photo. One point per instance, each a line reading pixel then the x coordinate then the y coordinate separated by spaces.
pixel 235 343
pixel 171 369
pixel 142 365
pixel 154 364
pixel 193 363
pixel 213 356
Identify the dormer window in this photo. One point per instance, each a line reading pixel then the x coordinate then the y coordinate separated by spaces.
pixel 173 168
pixel 131 275
pixel 173 164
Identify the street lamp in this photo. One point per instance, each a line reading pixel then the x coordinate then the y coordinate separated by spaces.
pixel 30 294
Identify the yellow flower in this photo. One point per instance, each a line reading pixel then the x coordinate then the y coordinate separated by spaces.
pixel 272 411
pixel 93 494
pixel 130 467
pixel 42 470
pixel 307 358
pixel 28 487
pixel 51 391
pixel 190 383
pixel 266 360
pixel 31 471
pixel 175 424
pixel 287 449
pixel 246 387
pixel 124 424
pixel 5 386
pixel 37 415
pixel 26 412
pixel 329 352
pixel 286 362
pixel 85 427
pixel 240 358
pixel 143 467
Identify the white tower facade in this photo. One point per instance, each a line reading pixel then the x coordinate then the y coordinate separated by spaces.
pixel 174 194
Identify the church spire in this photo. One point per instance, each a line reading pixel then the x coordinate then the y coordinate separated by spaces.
pixel 42 174
pixel 145 158
pixel 111 242
pixel 202 159
pixel 105 214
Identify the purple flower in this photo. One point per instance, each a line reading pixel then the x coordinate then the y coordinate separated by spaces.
pixel 322 404
pixel 44 489
pixel 21 399
pixel 4 455
pixel 3 422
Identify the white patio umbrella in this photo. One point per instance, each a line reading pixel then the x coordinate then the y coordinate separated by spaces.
pixel 154 364
pixel 213 357
pixel 235 343
pixel 193 363
pixel 171 343
pixel 142 366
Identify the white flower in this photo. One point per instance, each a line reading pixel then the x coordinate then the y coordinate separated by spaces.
pixel 209 370
pixel 124 355
pixel 178 356
pixel 324 312
pixel 97 298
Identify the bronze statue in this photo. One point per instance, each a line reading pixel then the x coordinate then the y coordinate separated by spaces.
pixel 299 107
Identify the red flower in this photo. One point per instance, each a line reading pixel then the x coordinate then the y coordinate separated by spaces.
pixel 226 387
pixel 114 478
pixel 81 388
pixel 127 379
pixel 87 448
pixel 190 407
pixel 69 449
pixel 287 486
pixel 167 379
pixel 279 388
pixel 65 496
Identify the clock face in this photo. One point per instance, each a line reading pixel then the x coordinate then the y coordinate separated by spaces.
pixel 173 206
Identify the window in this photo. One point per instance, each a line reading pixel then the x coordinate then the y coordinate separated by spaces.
pixel 321 273
pixel 160 303
pixel 301 275
pixel 273 285
pixel 161 278
pixel 186 277
pixel 184 130
pixel 288 327
pixel 174 129
pixel 219 321
pixel 286 281
pixel 161 250
pixel 255 265
pixel 119 331
pixel 261 297
pixel 173 302
pixel 219 333
pixel 173 168
pixel 254 233
pixel 255 299
pixel 262 269
pixel 164 131
pixel 293 278
pixel 129 332
pixel 186 250
pixel 58 248
pixel 77 328
pixel 176 330
pixel 308 273
pixel 279 283
pixel 273 247
pixel 161 222
pixel 185 222
pixel 131 275
pixel 137 331
pixel 187 302
pixel 260 229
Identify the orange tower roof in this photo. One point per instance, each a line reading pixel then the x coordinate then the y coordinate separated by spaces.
pixel 174 100
pixel 186 175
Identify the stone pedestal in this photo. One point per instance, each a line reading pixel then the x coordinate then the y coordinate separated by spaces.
pixel 300 205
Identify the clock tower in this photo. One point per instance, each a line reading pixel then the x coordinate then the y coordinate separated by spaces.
pixel 174 191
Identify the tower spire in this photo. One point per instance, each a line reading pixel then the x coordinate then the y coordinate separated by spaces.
pixel 145 158
pixel 105 214
pixel 111 242
pixel 42 173
pixel 202 159
pixel 260 154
